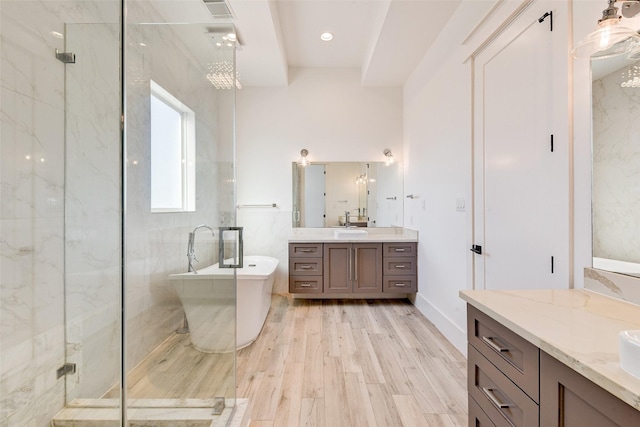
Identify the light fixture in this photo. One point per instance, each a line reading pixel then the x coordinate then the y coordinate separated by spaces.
pixel 361 179
pixel 221 72
pixel 326 37
pixel 303 161
pixel 389 156
pixel 610 38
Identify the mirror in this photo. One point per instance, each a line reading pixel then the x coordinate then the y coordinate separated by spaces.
pixel 616 165
pixel 371 191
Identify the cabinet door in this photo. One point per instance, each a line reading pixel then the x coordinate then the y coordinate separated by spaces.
pixel 367 267
pixel 570 400
pixel 337 268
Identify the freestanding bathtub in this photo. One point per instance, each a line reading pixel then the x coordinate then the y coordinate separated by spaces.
pixel 209 301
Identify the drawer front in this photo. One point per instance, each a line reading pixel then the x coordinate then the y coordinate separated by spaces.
pixel 393 266
pixel 305 284
pixel 477 417
pixel 400 284
pixel 305 266
pixel 508 351
pixel 500 399
pixel 300 250
pixel 399 249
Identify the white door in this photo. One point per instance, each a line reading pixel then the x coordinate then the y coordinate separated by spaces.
pixel 520 185
pixel 314 196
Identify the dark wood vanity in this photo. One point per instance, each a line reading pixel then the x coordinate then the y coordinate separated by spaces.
pixel 353 268
pixel 513 382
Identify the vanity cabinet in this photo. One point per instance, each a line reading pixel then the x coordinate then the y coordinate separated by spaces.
pixel 353 268
pixel 511 382
pixel 568 399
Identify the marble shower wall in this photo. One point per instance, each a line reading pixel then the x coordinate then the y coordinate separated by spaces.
pixel 32 192
pixel 156 244
pixel 616 168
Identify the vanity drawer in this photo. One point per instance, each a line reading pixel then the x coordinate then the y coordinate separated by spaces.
pixel 516 357
pixel 305 284
pixel 393 266
pixel 399 249
pixel 477 417
pixel 301 250
pixel 400 284
pixel 305 266
pixel 499 398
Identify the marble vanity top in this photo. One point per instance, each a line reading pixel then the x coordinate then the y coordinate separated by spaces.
pixel 578 327
pixel 381 234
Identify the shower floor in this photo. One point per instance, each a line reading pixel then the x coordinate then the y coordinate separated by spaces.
pixel 176 370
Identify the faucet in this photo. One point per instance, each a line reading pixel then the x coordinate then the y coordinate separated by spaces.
pixel 191 256
pixel 347 224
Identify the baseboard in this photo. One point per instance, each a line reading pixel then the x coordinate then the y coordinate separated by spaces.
pixel 450 330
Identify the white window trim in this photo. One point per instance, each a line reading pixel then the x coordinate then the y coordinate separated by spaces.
pixel 188 149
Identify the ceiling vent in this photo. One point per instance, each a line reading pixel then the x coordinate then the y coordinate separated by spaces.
pixel 220 9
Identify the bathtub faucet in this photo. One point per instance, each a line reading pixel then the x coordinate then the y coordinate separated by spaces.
pixel 191 255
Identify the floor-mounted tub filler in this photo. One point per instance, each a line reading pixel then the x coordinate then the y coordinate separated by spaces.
pixel 208 297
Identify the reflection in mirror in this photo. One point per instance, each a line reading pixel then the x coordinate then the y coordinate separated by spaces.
pixel 616 165
pixel 370 191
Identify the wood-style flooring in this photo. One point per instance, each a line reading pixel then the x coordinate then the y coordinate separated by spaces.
pixel 334 363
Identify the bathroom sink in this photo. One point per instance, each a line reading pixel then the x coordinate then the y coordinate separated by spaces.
pixel 630 352
pixel 349 233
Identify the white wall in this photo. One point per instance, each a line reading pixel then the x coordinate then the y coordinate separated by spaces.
pixel 437 127
pixel 326 111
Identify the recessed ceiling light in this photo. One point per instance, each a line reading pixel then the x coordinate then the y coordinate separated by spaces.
pixel 231 36
pixel 326 37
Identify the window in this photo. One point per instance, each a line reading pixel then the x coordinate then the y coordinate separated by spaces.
pixel 172 153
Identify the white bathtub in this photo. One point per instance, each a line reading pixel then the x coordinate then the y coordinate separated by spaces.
pixel 623 267
pixel 209 297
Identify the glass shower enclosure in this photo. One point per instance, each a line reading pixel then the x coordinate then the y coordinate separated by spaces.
pixel 117 156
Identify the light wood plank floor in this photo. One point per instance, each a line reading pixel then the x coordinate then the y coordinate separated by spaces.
pixel 351 363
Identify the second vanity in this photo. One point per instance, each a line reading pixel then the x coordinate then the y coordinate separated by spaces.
pixel 377 262
pixel 549 358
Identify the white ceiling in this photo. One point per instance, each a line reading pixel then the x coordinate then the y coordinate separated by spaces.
pixel 385 39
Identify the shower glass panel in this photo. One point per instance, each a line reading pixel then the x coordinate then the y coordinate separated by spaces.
pixel 92 213
pixel 179 136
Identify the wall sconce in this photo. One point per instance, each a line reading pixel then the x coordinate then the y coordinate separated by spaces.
pixel 389 156
pixel 611 38
pixel 303 161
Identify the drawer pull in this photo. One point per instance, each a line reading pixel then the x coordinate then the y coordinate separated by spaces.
pixel 494 399
pixel 399 249
pixel 305 267
pixel 401 266
pixel 306 250
pixel 492 344
pixel 399 285
pixel 305 285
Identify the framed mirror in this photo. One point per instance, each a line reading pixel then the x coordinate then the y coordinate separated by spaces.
pixel 616 165
pixel 370 191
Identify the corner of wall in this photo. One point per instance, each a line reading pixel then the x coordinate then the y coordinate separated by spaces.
pixel 446 326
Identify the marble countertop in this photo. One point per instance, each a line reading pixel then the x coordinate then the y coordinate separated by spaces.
pixel 379 234
pixel 578 327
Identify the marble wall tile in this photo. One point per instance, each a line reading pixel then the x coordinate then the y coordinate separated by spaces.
pixel 266 232
pixel 615 285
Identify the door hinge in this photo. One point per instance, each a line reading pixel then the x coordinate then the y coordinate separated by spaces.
pixel 67 368
pixel 552 143
pixel 544 17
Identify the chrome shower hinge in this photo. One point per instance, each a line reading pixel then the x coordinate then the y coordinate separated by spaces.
pixel 67 368
pixel 66 57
